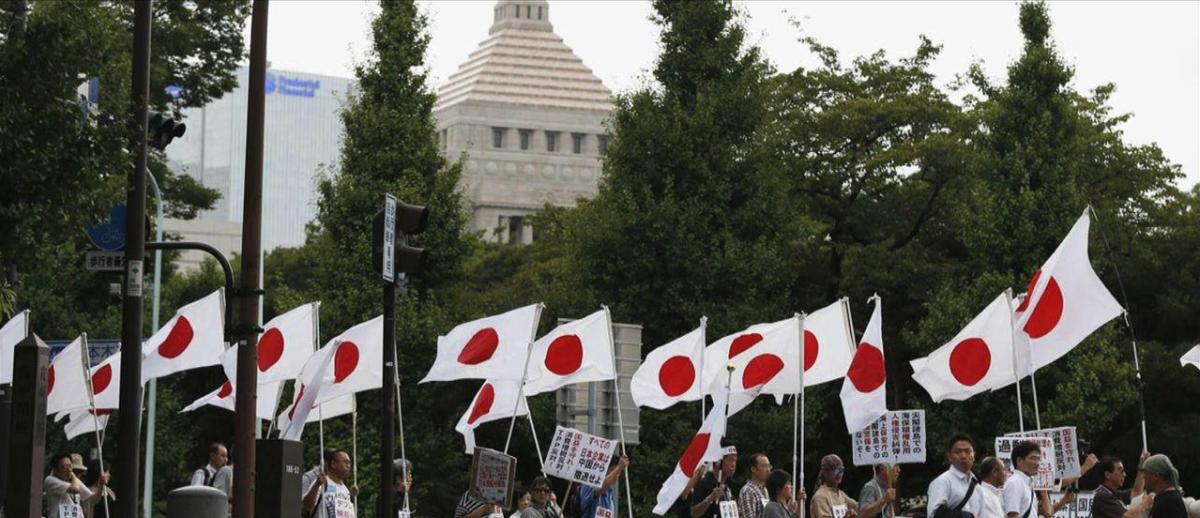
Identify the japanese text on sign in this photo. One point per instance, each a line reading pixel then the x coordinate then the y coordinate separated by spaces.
pixel 578 456
pixel 492 475
pixel 1045 475
pixel 1066 449
pixel 896 438
pixel 1083 505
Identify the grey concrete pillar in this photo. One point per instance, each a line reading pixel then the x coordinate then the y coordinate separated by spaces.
pixel 197 502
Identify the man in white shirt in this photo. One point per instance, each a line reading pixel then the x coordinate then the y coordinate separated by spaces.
pixel 64 491
pixel 1019 499
pixel 992 476
pixel 213 474
pixel 952 487
pixel 328 496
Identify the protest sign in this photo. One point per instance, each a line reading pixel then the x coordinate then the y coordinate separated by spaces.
pixel 1083 505
pixel 1066 449
pixel 1045 476
pixel 492 476
pixel 896 438
pixel 579 457
pixel 728 509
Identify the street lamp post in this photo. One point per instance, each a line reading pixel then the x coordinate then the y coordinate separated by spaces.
pixel 148 483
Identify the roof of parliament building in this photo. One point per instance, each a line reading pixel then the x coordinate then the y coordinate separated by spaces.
pixel 523 62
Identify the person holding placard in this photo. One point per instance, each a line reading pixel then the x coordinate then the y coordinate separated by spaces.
pixel 953 494
pixel 1107 499
pixel 829 501
pixel 783 502
pixel 64 491
pixel 878 494
pixel 992 477
pixel 327 495
pixel 714 487
pixel 598 503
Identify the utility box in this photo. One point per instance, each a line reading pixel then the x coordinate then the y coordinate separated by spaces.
pixel 277 477
pixel 592 407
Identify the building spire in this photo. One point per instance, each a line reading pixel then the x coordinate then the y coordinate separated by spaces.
pixel 529 15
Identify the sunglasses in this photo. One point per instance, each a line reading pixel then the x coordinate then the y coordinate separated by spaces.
pixel 838 470
pixel 540 490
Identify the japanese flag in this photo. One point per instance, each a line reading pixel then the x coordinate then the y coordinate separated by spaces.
pixel 1191 357
pixel 575 352
pixel 671 372
pixel 66 386
pixel 224 396
pixel 489 348
pixel 979 358
pixel 313 381
pixel 864 394
pixel 82 421
pixel 193 338
pixel 704 447
pixel 495 400
pixel 106 383
pixel 1066 301
pixel 357 363
pixel 287 342
pixel 770 363
pixel 335 407
pixel 742 347
pixel 15 330
pixel 828 343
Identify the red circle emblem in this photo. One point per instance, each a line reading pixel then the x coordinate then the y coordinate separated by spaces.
pixel 970 361
pixel 676 375
pixel 270 349
pixel 102 378
pixel 867 371
pixel 761 369
pixel 177 340
pixel 480 347
pixel 483 403
pixel 742 343
pixel 345 361
pixel 564 355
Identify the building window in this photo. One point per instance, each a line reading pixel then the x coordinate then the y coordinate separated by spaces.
pixel 445 135
pixel 516 228
pixel 551 141
pixel 603 142
pixel 539 12
pixel 577 143
pixel 498 137
pixel 526 136
pixel 517 8
pixel 529 11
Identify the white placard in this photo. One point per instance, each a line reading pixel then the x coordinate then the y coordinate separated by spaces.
pixel 1045 475
pixel 839 510
pixel 728 509
pixel 579 457
pixel 1083 505
pixel 896 438
pixel 389 238
pixel 492 476
pixel 1066 449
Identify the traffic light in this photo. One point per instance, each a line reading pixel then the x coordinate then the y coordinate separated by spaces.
pixel 163 130
pixel 410 220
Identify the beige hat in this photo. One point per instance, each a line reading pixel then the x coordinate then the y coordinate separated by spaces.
pixel 77 463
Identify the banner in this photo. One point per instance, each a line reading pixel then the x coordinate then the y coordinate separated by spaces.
pixel 1066 449
pixel 492 476
pixel 1083 505
pixel 728 509
pixel 896 438
pixel 579 457
pixel 1044 480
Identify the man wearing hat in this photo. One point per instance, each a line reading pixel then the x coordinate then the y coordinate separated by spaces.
pixel 1162 479
pixel 829 501
pixel 63 489
pixel 714 487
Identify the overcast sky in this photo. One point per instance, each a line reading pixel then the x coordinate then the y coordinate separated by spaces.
pixel 1150 50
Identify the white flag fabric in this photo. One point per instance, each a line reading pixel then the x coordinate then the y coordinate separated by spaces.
pixel 670 373
pixel 312 383
pixel 828 343
pixel 193 338
pixel 489 348
pixel 15 330
pixel 1066 301
pixel 106 383
pixel 739 346
pixel 575 352
pixel 287 341
pixel 770 364
pixel 336 407
pixel 864 391
pixel 66 386
pixel 81 422
pixel 495 400
pixel 357 365
pixel 223 397
pixel 978 359
pixel 704 447
pixel 1191 357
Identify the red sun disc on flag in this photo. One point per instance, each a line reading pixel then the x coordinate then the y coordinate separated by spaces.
pixel 270 349
pixel 742 343
pixel 676 375
pixel 867 371
pixel 299 395
pixel 177 340
pixel 345 361
pixel 694 452
pixel 101 411
pixel 102 378
pixel 480 347
pixel 761 369
pixel 1047 312
pixel 226 390
pixel 564 355
pixel 812 347
pixel 50 383
pixel 970 361
pixel 483 403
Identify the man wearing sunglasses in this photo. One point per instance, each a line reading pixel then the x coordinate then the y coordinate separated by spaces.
pixel 829 501
pixel 543 504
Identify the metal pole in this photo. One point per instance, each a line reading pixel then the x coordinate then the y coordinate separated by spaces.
pixel 152 411
pixel 1016 377
pixel 525 370
pixel 387 429
pixel 400 419
pixel 245 420
pixel 130 428
pixel 87 378
pixel 536 446
pixel 700 388
pixel 796 403
pixel 1037 414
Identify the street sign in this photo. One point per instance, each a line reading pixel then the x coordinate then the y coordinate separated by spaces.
pixel 109 235
pixel 97 261
pixel 389 238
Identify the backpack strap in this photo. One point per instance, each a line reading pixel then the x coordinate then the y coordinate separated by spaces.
pixel 967 497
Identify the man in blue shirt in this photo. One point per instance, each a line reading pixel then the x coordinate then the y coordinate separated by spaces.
pixel 598 503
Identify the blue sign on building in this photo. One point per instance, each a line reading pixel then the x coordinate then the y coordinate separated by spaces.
pixel 293 86
pixel 98 349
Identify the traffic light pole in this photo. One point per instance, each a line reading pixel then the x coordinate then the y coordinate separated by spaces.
pixel 387 431
pixel 130 424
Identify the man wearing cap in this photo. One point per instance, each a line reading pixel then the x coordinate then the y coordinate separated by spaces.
pixel 1162 479
pixel 64 491
pixel 829 501
pixel 714 487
